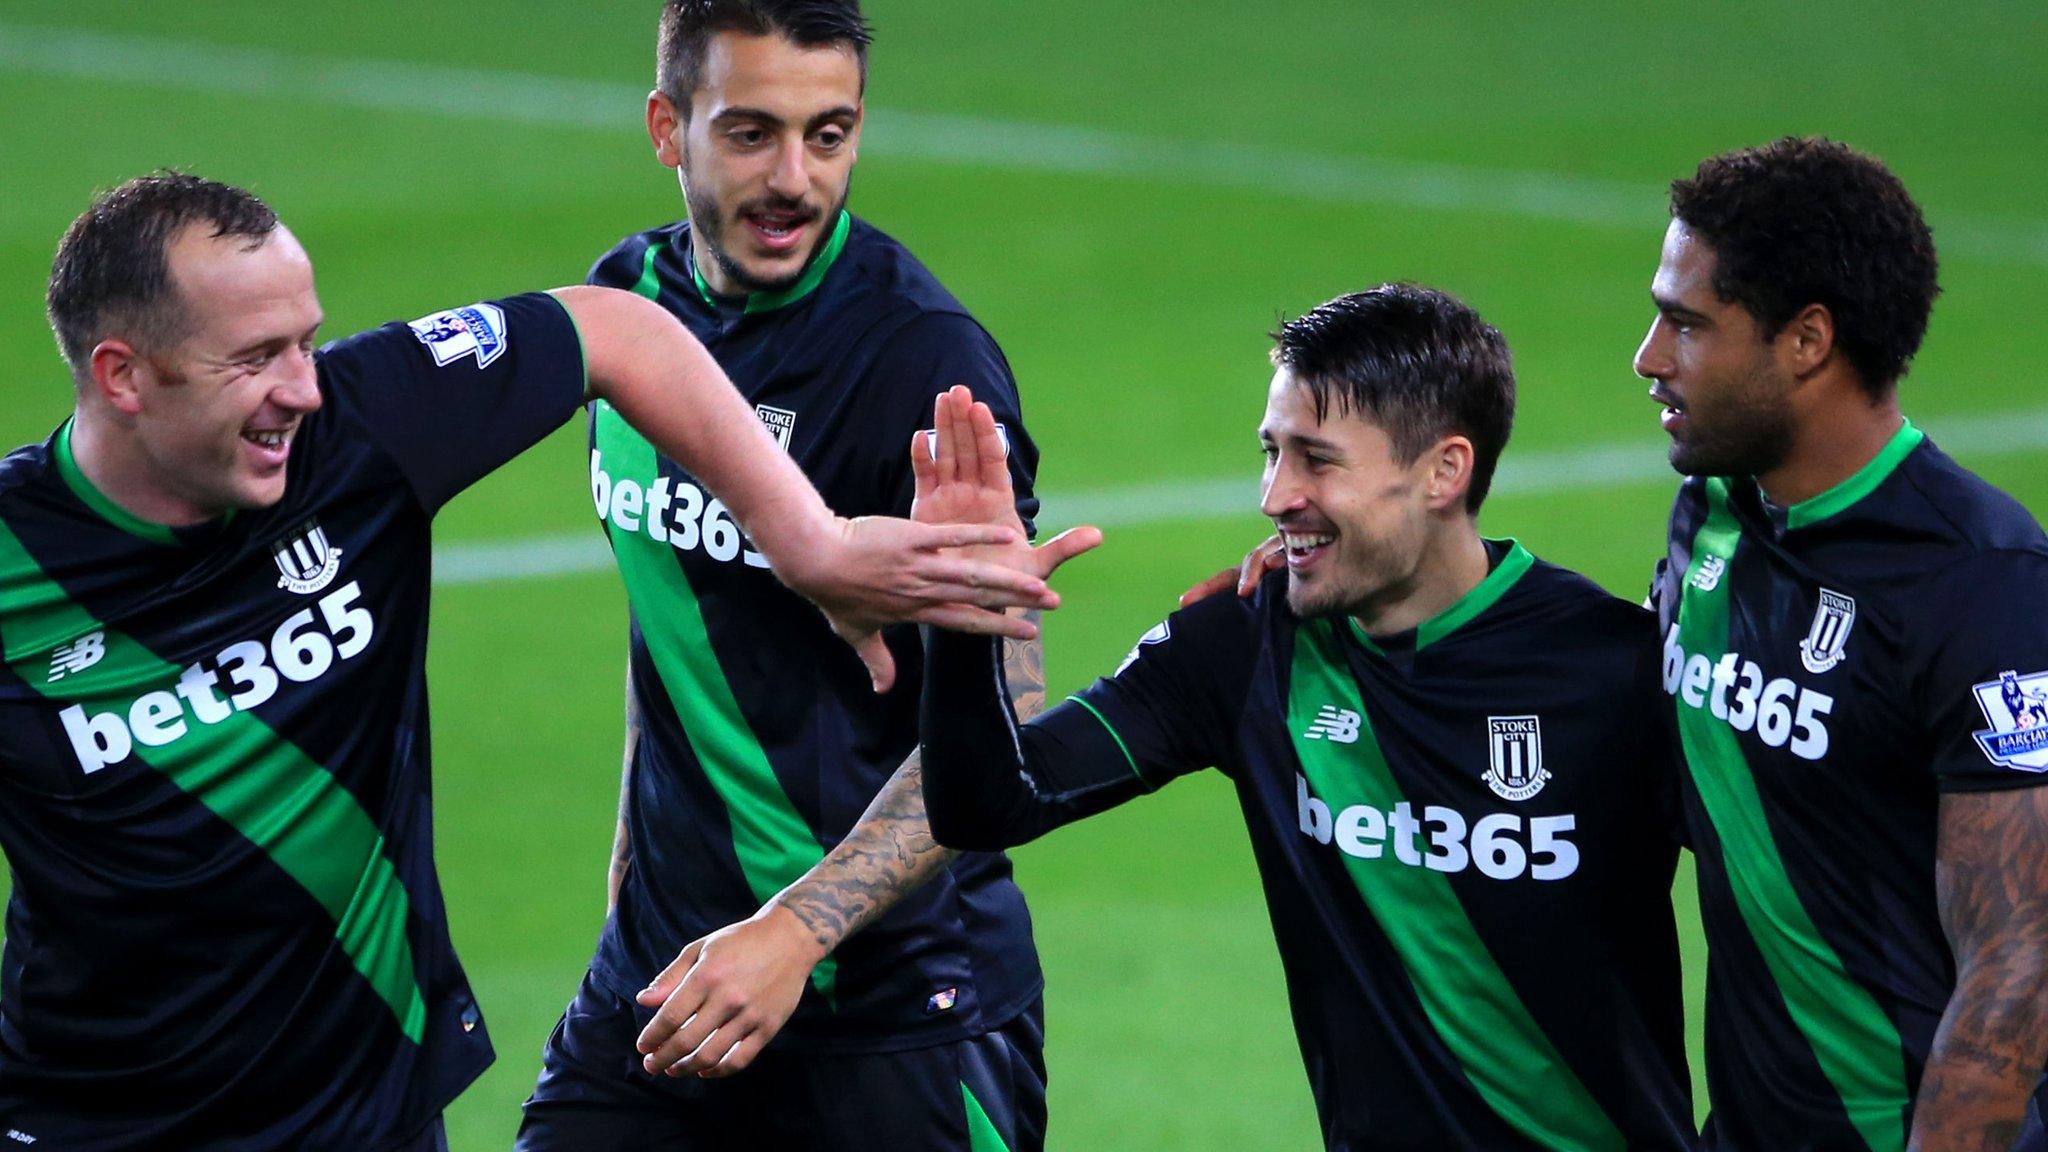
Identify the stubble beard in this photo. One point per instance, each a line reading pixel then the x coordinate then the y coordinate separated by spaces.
pixel 1743 443
pixel 708 221
pixel 1748 433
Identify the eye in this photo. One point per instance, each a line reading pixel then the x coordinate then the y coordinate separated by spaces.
pixel 747 137
pixel 1269 452
pixel 829 139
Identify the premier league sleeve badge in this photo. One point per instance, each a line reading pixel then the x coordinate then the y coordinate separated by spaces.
pixel 2016 707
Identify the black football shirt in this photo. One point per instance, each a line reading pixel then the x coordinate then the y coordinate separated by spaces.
pixel 1834 667
pixel 762 741
pixel 1466 834
pixel 226 931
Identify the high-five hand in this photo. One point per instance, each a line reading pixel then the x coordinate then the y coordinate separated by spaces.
pixel 877 570
pixel 963 479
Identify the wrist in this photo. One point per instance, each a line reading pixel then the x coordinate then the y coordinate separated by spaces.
pixel 795 544
pixel 802 937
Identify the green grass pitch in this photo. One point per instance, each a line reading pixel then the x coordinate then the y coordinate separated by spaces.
pixel 1254 165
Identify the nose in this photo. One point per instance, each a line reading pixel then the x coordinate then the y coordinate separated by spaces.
pixel 298 385
pixel 790 179
pixel 1653 357
pixel 1280 493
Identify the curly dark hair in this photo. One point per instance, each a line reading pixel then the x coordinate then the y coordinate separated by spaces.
pixel 112 272
pixel 688 25
pixel 1418 362
pixel 1807 220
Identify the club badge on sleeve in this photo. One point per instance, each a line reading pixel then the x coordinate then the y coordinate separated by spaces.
pixel 2016 707
pixel 477 330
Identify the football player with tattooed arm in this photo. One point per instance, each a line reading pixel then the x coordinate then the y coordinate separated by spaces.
pixel 1849 678
pixel 1447 752
pixel 225 930
pixel 789 959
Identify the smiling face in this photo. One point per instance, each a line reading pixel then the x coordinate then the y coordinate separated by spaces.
pixel 1726 388
pixel 765 155
pixel 1357 521
pixel 213 416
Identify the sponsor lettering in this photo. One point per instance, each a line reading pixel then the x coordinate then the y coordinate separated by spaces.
pixel 672 512
pixel 1780 712
pixel 1500 845
pixel 244 675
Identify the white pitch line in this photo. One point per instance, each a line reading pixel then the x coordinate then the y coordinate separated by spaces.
pixel 1565 472
pixel 589 104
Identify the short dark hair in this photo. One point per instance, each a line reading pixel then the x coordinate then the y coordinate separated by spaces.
pixel 1417 362
pixel 687 27
pixel 112 272
pixel 1807 220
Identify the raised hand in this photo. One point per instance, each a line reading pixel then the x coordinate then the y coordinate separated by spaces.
pixel 963 479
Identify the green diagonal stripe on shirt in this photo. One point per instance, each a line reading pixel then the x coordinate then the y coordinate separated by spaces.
pixel 1503 1051
pixel 769 836
pixel 246 773
pixel 1855 1043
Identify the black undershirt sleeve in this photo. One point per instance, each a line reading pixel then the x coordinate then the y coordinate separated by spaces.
pixel 989 783
pixel 1172 708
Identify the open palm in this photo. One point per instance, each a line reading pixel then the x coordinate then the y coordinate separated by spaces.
pixel 963 477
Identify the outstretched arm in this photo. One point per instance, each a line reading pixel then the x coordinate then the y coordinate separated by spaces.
pixel 864 573
pixel 727 995
pixel 1991 880
pixel 891 853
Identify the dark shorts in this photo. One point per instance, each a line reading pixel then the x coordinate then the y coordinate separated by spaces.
pixel 982 1094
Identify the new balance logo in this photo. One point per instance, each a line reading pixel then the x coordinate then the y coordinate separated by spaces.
pixel 1337 725
pixel 1708 577
pixel 77 656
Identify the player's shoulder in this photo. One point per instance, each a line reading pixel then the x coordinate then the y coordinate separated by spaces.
pixel 24 466
pixel 885 291
pixel 1575 601
pixel 880 269
pixel 1225 620
pixel 1940 500
pixel 640 255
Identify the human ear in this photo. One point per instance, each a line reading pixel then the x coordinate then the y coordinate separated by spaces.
pixel 116 367
pixel 663 122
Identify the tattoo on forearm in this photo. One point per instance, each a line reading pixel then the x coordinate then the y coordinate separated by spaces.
pixel 1991 881
pixel 890 852
pixel 1024 669
pixel 887 855
pixel 622 840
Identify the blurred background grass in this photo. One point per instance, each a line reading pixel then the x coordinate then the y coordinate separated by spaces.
pixel 1128 196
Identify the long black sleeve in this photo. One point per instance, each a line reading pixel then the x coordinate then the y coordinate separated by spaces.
pixel 989 783
pixel 1172 708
